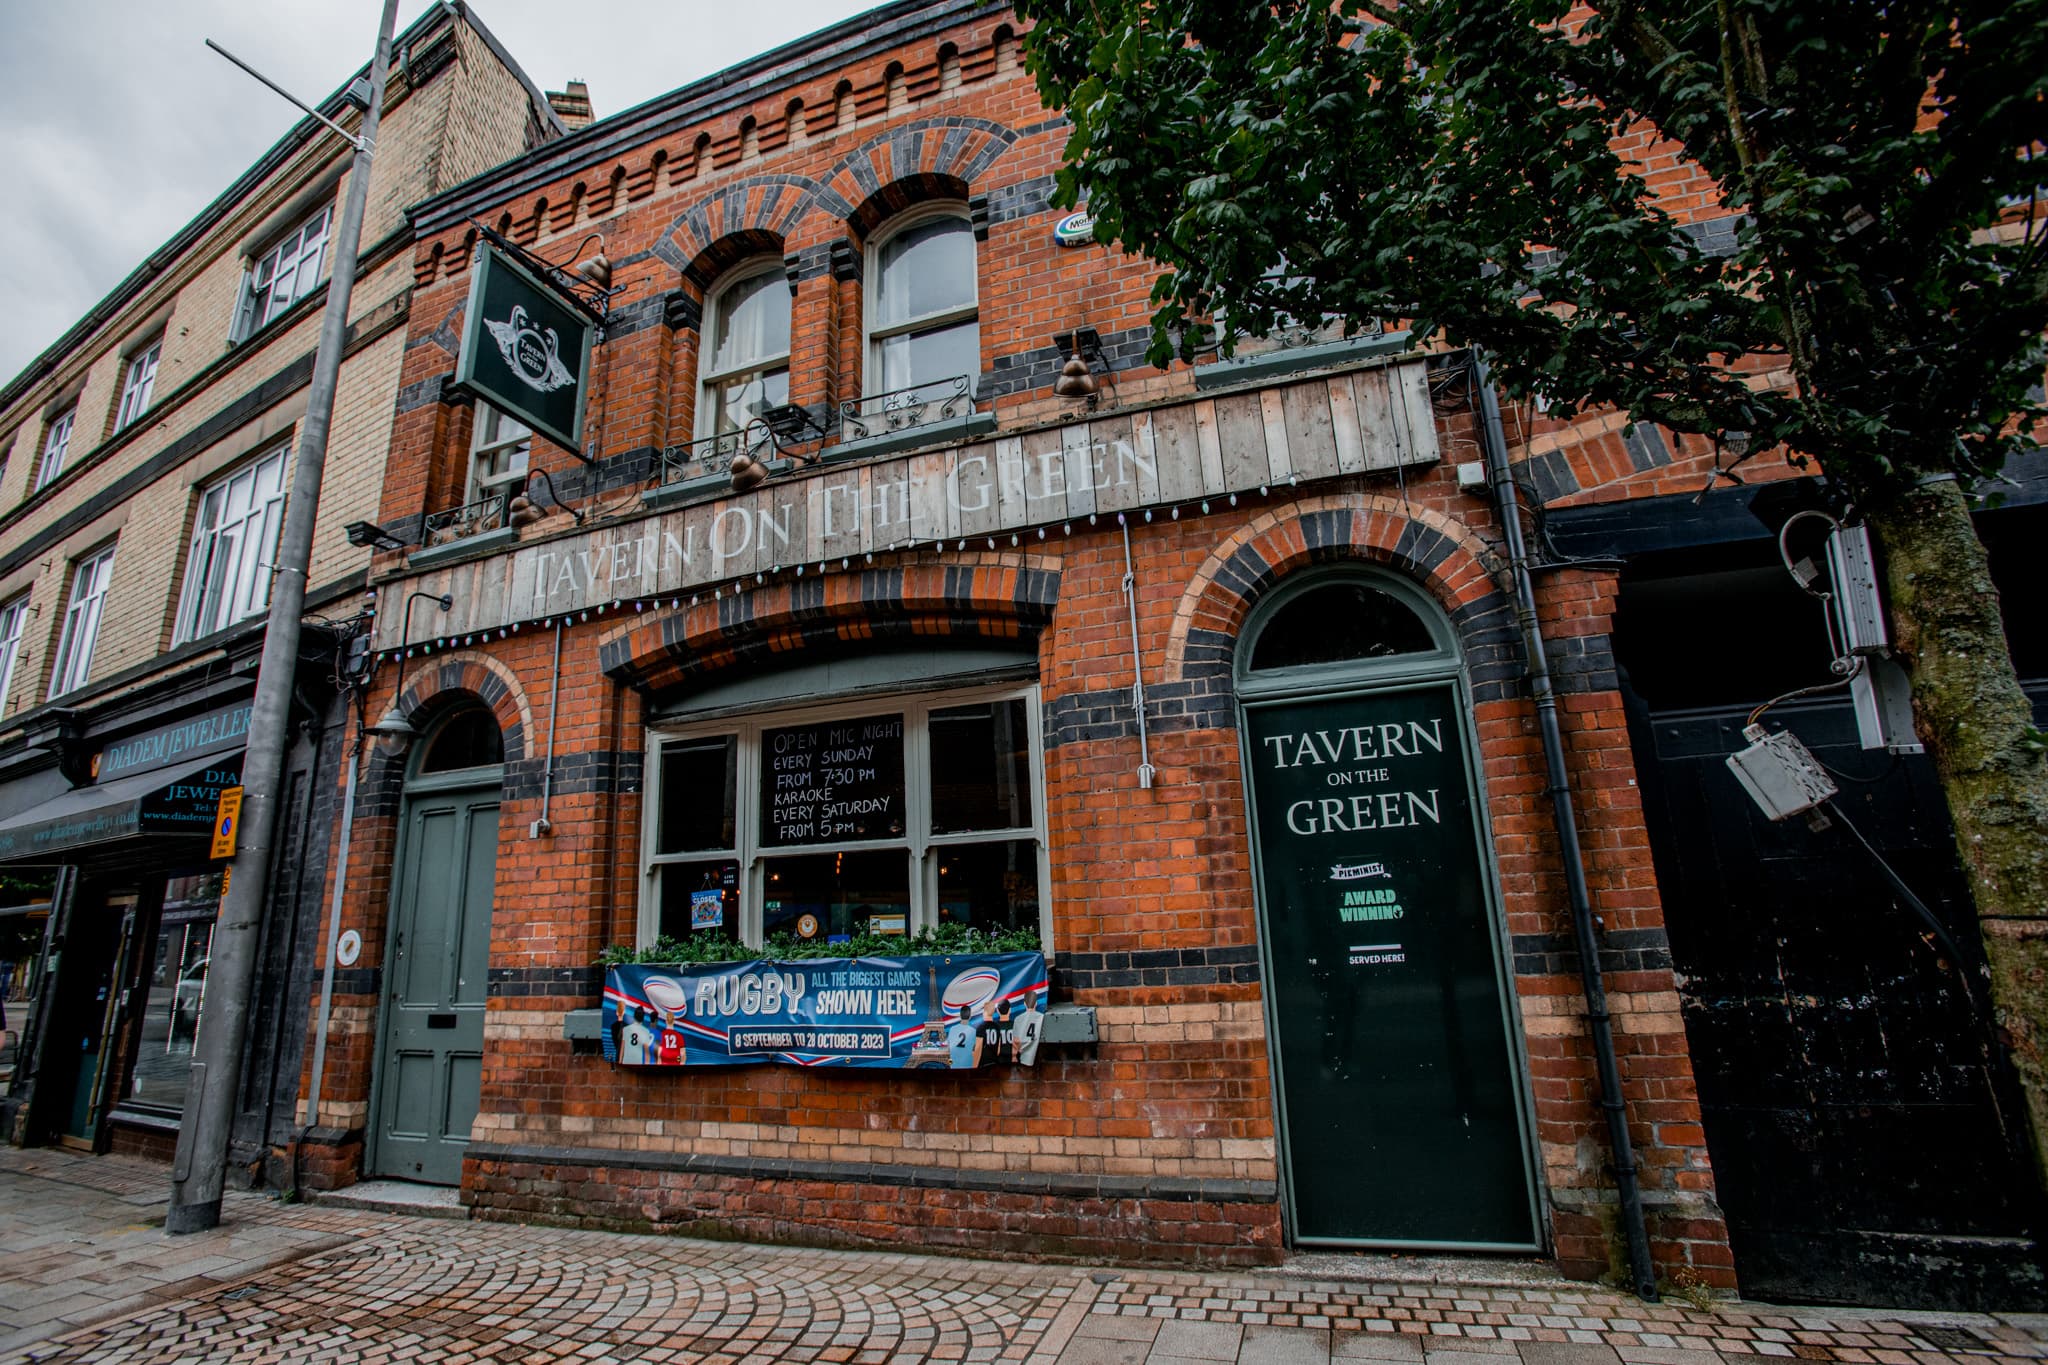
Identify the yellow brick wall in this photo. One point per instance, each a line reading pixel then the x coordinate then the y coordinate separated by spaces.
pixel 471 116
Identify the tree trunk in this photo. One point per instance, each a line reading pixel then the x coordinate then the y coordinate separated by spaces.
pixel 1974 718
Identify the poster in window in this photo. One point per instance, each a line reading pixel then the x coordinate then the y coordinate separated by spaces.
pixel 707 909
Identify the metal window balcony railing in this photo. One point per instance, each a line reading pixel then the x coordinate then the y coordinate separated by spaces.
pixel 882 414
pixel 487 513
pixel 713 455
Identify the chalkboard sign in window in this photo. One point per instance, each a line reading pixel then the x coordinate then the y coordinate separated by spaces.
pixel 836 782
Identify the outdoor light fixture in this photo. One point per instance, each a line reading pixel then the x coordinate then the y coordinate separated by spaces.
pixel 1077 378
pixel 1736 443
pixel 522 510
pixel 791 424
pixel 588 284
pixel 370 535
pixel 395 724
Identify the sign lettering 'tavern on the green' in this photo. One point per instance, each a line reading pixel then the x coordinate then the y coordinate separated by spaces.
pixel 525 349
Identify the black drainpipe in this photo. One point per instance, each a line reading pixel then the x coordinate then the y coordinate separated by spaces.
pixel 1507 499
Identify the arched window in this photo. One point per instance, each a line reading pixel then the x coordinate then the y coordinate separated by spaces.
pixel 746 363
pixel 467 739
pixel 923 325
pixel 1341 621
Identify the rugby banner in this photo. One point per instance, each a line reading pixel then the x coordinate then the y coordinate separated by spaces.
pixel 911 1013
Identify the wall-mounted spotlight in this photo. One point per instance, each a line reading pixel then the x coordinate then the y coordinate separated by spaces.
pixel 368 534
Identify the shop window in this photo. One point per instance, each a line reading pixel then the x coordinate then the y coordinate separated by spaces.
pixel 13 616
pixel 1338 621
pixel 826 822
pixel 924 332
pixel 176 991
pixel 234 543
pixel 137 382
pixel 746 369
pixel 284 274
pixel 89 579
pixel 468 739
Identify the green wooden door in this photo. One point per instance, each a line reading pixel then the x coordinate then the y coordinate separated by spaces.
pixel 431 1058
pixel 1400 1097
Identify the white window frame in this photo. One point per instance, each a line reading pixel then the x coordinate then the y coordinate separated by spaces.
pixel 56 446
pixel 496 433
pixel 918 842
pixel 285 273
pixel 234 548
pixel 873 336
pixel 13 617
pixel 83 608
pixel 707 378
pixel 138 381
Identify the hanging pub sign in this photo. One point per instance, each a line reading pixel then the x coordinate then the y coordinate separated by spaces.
pixel 927 1012
pixel 525 348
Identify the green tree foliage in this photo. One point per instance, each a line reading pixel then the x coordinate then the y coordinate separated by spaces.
pixel 1815 221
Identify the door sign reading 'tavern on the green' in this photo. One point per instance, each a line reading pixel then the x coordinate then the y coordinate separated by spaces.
pixel 1398 1084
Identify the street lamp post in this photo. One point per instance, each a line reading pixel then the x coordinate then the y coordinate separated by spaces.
pixel 200 1165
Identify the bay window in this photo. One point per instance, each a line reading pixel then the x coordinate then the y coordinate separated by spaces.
pixel 829 821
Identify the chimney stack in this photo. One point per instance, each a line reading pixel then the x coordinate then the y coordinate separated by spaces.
pixel 572 106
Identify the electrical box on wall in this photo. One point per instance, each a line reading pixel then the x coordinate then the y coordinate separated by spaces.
pixel 1780 774
pixel 1853 568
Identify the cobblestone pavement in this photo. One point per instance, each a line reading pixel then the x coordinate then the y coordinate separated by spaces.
pixel 87 1275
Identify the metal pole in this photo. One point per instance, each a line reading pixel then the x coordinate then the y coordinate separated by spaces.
pixel 199 1168
pixel 1641 1271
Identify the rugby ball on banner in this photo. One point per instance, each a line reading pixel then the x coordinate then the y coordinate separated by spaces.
pixel 1076 229
pixel 972 989
pixel 666 995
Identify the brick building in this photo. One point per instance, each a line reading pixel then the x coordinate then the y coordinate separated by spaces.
pixel 143 468
pixel 824 477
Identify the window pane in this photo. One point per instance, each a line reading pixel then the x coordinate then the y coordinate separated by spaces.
pixel 833 782
pixel 697 794
pixel 918 358
pixel 835 895
pixel 700 898
pixel 738 401
pixel 989 886
pixel 981 767
pixel 1337 622
pixel 468 739
pixel 177 988
pixel 925 269
pixel 753 324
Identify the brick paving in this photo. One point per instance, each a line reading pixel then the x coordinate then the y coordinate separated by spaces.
pixel 87 1275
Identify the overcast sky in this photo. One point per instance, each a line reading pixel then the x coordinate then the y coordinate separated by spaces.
pixel 117 125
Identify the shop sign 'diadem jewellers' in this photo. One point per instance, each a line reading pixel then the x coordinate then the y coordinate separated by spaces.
pixel 942 497
pixel 908 1013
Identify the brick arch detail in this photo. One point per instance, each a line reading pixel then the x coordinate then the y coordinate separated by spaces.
pixel 761 204
pixel 902 162
pixel 437 685
pixel 1441 555
pixel 995 595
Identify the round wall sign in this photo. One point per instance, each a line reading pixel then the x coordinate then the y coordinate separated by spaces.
pixel 1076 229
pixel 348 947
pixel 807 926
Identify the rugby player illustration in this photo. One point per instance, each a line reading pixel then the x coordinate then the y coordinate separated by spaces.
pixel 635 1039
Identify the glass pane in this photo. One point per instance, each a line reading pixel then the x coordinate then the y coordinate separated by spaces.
pixel 925 269
pixel 469 739
pixel 833 782
pixel 835 895
pixel 176 988
pixel 919 358
pixel 981 767
pixel 989 886
pixel 738 401
pixel 753 323
pixel 697 801
pixel 1337 622
pixel 700 898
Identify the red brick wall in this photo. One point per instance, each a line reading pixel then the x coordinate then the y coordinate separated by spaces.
pixel 1160 1140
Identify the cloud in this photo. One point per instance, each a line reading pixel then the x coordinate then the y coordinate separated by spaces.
pixel 121 126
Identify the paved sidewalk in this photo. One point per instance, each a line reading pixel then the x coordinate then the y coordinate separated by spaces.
pixel 86 1274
